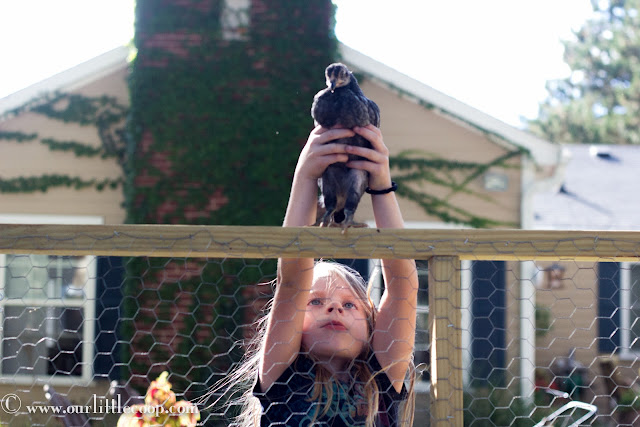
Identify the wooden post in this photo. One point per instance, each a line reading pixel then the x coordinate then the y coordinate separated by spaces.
pixel 446 347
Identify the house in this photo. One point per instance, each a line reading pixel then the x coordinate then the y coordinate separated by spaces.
pixel 55 308
pixel 31 157
pixel 592 305
pixel 416 119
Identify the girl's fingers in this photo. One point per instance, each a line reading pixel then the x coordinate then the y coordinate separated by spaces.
pixel 336 158
pixel 374 136
pixel 332 134
pixel 369 131
pixel 368 153
pixel 377 157
pixel 327 135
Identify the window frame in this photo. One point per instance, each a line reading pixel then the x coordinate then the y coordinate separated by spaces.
pixel 235 20
pixel 625 311
pixel 87 304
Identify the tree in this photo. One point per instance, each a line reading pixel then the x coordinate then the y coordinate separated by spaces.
pixel 599 102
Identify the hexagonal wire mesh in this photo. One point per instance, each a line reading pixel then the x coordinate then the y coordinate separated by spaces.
pixel 509 328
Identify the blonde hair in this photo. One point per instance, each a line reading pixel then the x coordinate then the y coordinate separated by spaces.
pixel 247 370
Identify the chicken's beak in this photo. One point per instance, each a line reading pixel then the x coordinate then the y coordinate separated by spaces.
pixel 332 85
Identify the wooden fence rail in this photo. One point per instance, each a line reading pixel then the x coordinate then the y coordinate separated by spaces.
pixel 445 249
pixel 270 242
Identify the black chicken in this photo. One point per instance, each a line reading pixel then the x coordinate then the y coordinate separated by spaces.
pixel 343 103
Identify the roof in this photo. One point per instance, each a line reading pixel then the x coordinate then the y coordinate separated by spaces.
pixel 599 192
pixel 543 152
pixel 68 80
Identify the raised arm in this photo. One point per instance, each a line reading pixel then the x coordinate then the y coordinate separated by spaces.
pixel 394 334
pixel 295 275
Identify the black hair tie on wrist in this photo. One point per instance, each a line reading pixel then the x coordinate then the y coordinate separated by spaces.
pixel 393 187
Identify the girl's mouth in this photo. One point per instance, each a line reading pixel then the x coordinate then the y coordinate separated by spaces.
pixel 338 326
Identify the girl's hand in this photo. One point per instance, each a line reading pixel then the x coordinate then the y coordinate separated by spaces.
pixel 377 163
pixel 318 153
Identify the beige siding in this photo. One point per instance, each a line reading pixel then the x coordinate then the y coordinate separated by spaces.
pixel 574 321
pixel 105 204
pixel 573 308
pixel 406 126
pixel 115 85
pixel 409 126
pixel 574 325
pixel 32 158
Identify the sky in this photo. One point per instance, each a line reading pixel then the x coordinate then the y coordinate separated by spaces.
pixel 494 55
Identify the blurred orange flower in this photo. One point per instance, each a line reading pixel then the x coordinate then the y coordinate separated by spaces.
pixel 160 408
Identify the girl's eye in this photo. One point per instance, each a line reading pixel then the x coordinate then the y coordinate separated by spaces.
pixel 349 305
pixel 315 301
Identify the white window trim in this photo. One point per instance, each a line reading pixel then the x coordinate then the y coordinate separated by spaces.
pixel 89 306
pixel 465 296
pixel 234 19
pixel 625 312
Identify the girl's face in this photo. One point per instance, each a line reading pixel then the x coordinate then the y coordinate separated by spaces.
pixel 335 323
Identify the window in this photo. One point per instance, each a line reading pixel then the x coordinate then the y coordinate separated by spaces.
pixel 423 344
pixel 630 309
pixel 47 313
pixel 235 19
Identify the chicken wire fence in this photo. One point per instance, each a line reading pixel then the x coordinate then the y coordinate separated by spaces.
pixel 511 325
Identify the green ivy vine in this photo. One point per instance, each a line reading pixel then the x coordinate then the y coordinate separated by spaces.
pixel 17 136
pixel 230 116
pixel 414 169
pixel 45 182
pixel 104 113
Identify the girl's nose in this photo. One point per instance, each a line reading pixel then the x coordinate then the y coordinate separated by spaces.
pixel 334 305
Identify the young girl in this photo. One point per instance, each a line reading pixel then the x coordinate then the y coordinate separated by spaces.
pixel 324 354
